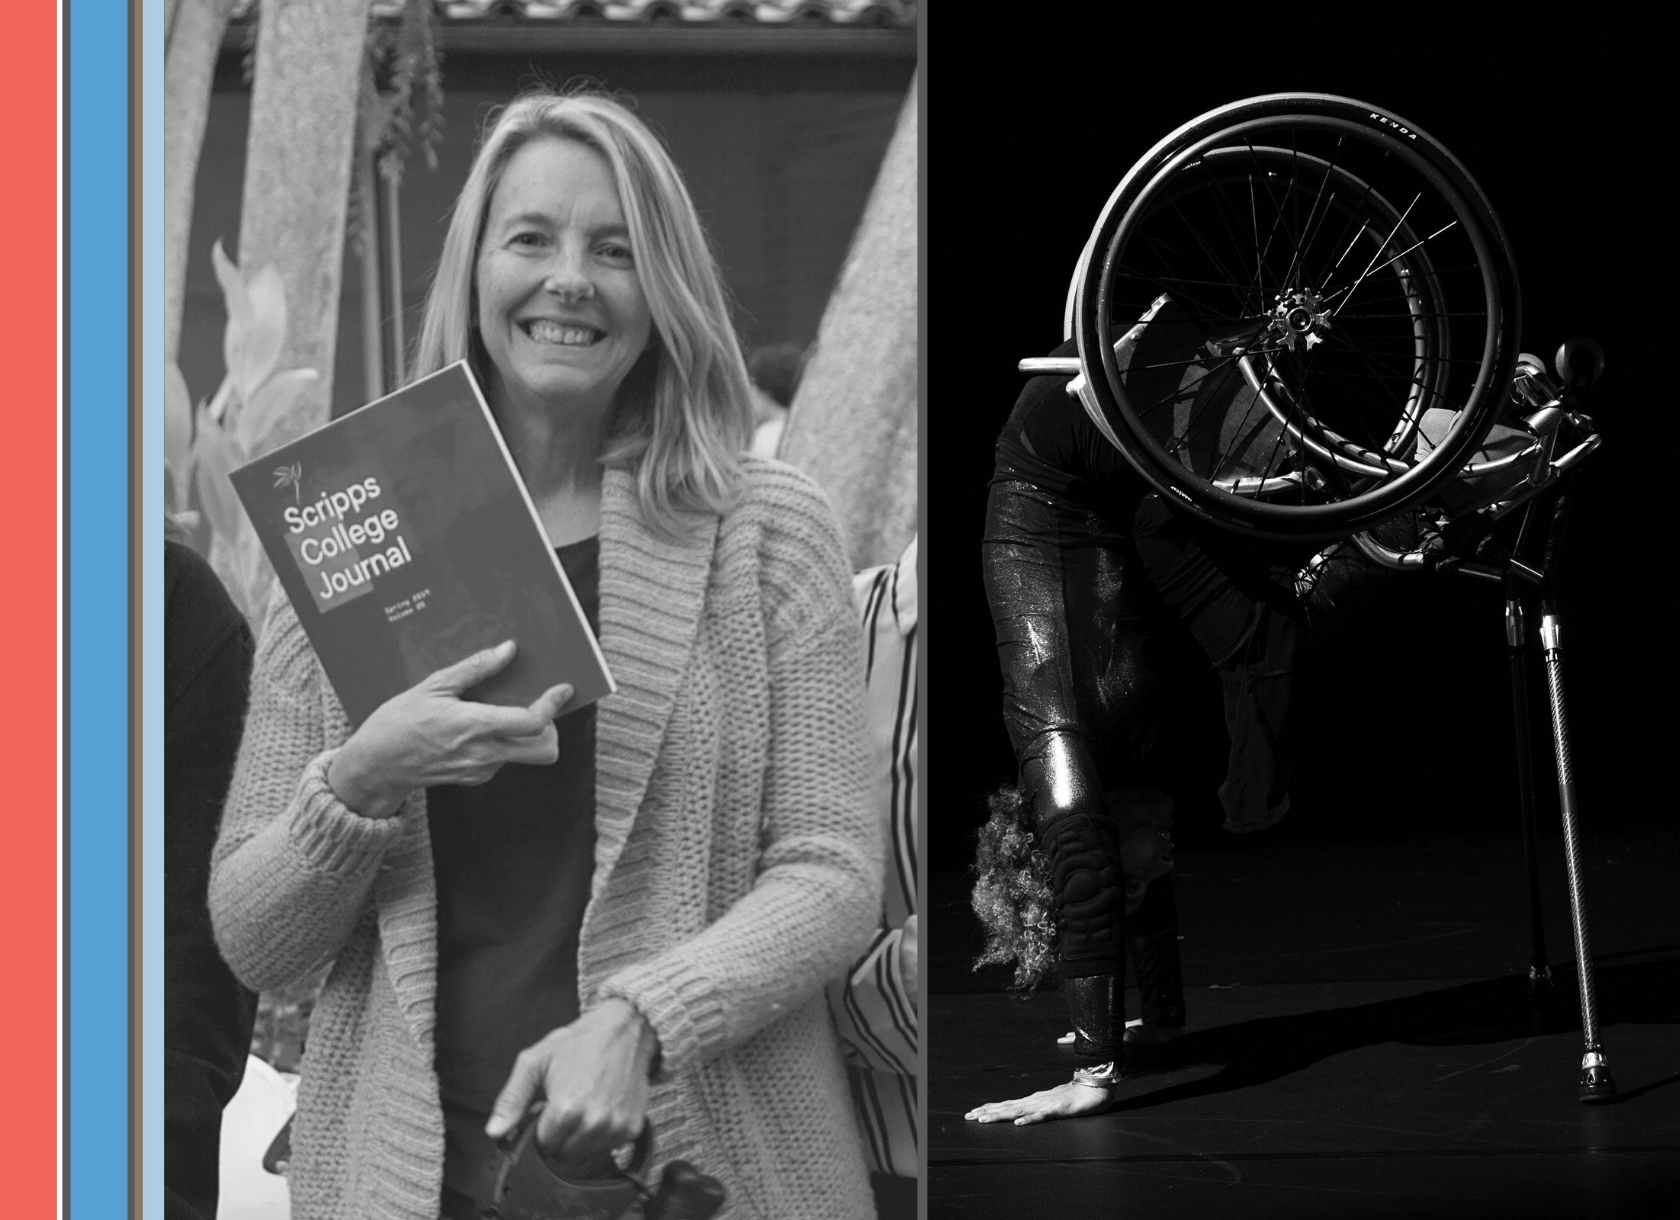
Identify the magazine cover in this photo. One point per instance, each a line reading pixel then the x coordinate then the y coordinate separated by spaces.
pixel 406 541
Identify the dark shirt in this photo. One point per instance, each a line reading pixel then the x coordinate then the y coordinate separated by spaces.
pixel 1050 442
pixel 513 860
pixel 207 1014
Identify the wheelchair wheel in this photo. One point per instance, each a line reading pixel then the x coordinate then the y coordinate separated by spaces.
pixel 1272 300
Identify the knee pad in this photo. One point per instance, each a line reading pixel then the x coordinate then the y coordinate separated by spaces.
pixel 1087 886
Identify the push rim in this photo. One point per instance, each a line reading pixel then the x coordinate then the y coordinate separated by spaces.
pixel 1427 319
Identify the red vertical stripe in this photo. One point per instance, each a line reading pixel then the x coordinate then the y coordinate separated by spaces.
pixel 29 607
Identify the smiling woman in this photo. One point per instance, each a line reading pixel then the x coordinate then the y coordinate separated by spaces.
pixel 561 311
pixel 628 912
pixel 554 171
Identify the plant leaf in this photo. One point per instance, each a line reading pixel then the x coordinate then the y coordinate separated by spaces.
pixel 218 454
pixel 265 332
pixel 177 489
pixel 269 406
pixel 238 303
pixel 255 574
pixel 177 419
pixel 224 395
pixel 225 563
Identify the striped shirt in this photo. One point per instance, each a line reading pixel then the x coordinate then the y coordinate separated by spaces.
pixel 875 1015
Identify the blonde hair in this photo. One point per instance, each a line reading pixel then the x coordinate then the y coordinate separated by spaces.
pixel 684 413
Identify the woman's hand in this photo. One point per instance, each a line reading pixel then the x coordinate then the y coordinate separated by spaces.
pixel 430 735
pixel 593 1078
pixel 1064 1101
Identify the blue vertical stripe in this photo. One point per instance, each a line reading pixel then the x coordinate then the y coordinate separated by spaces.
pixel 147 185
pixel 96 566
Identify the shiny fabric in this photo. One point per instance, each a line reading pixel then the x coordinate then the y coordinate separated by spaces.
pixel 1092 1002
pixel 1096 1003
pixel 1238 603
pixel 1084 623
pixel 1093 583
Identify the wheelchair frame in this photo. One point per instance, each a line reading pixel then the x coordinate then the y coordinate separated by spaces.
pixel 1525 398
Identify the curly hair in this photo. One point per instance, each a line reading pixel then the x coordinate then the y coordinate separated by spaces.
pixel 1012 896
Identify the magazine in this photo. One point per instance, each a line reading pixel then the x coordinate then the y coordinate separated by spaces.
pixel 406 541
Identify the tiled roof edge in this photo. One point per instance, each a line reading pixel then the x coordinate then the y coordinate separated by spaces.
pixel 806 14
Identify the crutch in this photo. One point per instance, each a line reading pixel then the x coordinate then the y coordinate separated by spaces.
pixel 1597 1084
pixel 1579 363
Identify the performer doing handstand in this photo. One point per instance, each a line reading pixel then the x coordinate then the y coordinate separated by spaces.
pixel 1086 568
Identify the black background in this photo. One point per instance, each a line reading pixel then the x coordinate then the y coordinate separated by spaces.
pixel 1405 728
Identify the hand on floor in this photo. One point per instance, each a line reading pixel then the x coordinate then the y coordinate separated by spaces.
pixel 1068 1100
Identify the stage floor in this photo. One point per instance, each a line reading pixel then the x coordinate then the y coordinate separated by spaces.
pixel 1360 1044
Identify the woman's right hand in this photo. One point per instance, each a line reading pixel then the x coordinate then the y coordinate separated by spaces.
pixel 430 735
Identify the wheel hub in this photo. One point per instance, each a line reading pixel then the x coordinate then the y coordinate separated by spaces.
pixel 1299 318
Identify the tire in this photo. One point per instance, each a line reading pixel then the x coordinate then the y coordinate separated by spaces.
pixel 1292 282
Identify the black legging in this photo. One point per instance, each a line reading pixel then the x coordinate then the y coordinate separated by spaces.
pixel 1080 609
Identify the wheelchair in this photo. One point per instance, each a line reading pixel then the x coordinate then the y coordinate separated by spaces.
pixel 1297 318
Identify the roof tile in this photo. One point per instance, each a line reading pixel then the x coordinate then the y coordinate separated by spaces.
pixel 884 13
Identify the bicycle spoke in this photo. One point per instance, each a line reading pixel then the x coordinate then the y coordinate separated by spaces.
pixel 1222 207
pixel 1301 250
pixel 1181 279
pixel 1237 433
pixel 1271 462
pixel 1218 263
pixel 1397 226
pixel 1443 398
pixel 1259 262
pixel 1175 394
pixel 1390 409
pixel 1443 272
pixel 1294 204
pixel 1270 376
pixel 1195 300
pixel 1354 215
pixel 1422 317
pixel 1409 355
pixel 1357 283
pixel 1394 260
pixel 1341 342
pixel 1277 211
pixel 1196 413
pixel 1409 358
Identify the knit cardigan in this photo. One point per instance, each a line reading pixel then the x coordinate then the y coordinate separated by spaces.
pixel 737 867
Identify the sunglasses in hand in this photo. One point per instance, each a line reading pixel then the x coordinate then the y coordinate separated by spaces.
pixel 528 1187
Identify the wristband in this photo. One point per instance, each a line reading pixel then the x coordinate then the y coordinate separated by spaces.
pixel 1103 1076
